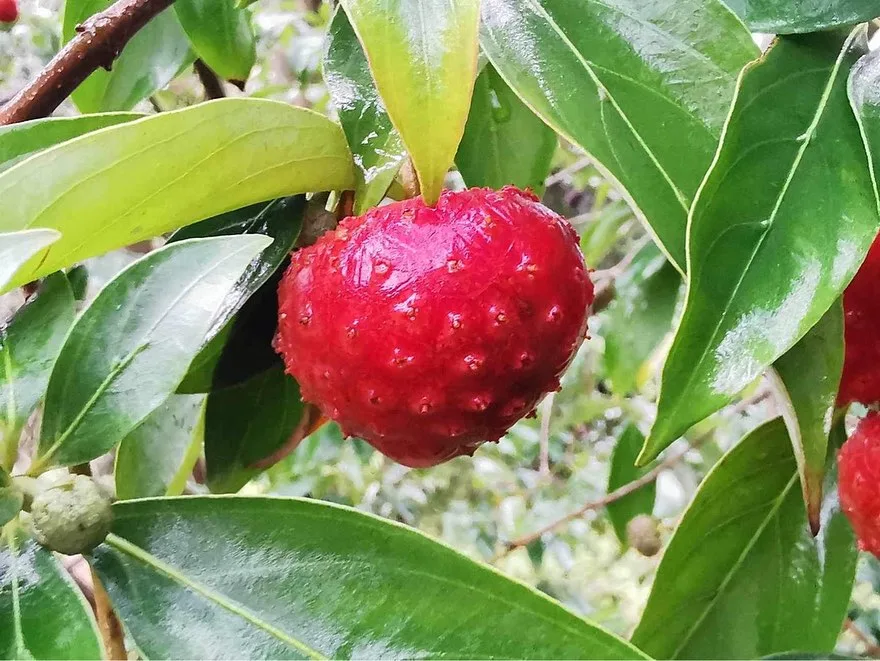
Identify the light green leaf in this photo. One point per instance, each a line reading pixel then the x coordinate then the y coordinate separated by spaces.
pixel 743 575
pixel 11 500
pixel 642 87
pixel 623 470
pixel 376 144
pixel 17 249
pixel 766 265
pixel 423 56
pixel 18 141
pixel 283 578
pixel 214 157
pixel 148 62
pixel 127 353
pixel 157 456
pixel 790 16
pixel 504 141
pixel 221 35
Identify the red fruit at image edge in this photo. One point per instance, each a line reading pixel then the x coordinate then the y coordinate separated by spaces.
pixel 859 482
pixel 8 11
pixel 427 331
pixel 860 381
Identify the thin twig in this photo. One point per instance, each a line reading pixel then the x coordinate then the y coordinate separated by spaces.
pixel 98 42
pixel 108 623
pixel 545 412
pixel 872 649
pixel 575 167
pixel 210 80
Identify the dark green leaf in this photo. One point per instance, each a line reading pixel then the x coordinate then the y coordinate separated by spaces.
pixel 640 316
pixel 245 426
pixel 504 141
pixel 130 349
pixel 643 87
pixel 18 248
pixel 157 457
pixel 11 500
pixel 789 16
pixel 623 470
pixel 376 144
pixel 18 141
pixel 42 613
pixel 230 577
pixel 148 62
pixel 807 377
pixel 743 575
pixel 221 35
pixel 775 234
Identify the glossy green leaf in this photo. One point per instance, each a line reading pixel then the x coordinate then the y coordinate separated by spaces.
pixel 214 157
pixel 283 578
pixel 623 470
pixel 17 249
pixel 18 141
pixel 375 143
pixel 43 615
pixel 29 345
pixel 743 576
pixel 807 378
pixel 504 141
pixel 789 16
pixel 247 425
pixel 148 62
pixel 11 500
pixel 127 353
pixel 639 318
pixel 642 87
pixel 157 456
pixel 221 34
pixel 765 266
pixel 423 56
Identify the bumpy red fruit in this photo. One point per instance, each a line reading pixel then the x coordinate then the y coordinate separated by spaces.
pixel 859 482
pixel 427 331
pixel 8 11
pixel 860 381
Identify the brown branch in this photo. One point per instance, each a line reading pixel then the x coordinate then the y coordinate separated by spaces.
pixel 108 623
pixel 98 42
pixel 210 80
pixel 871 648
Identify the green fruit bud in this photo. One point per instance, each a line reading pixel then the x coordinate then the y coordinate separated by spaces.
pixel 643 535
pixel 71 517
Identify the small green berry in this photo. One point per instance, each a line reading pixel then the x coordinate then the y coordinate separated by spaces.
pixel 72 517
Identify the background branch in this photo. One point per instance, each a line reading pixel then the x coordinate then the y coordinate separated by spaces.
pixel 210 80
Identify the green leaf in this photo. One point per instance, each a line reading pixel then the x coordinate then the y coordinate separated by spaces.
pixel 602 232
pixel 18 141
pixel 221 35
pixel 148 62
pixel 43 615
pixel 166 171
pixel 639 318
pixel 641 88
pixel 11 500
pixel 130 349
pixel 766 265
pixel 504 141
pixel 285 578
pixel 247 425
pixel 17 248
pixel 786 16
pixel 743 575
pixel 423 56
pixel 157 456
pixel 807 378
pixel 623 470
pixel 29 345
pixel 376 144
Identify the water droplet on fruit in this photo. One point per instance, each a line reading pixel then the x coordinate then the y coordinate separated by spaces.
pixel 526 359
pixel 473 362
pixel 554 314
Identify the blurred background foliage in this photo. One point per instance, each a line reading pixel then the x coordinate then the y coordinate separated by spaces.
pixel 546 467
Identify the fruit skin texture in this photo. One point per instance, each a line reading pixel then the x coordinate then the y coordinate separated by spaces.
pixel 860 381
pixel 858 465
pixel 427 331
pixel 72 517
pixel 8 11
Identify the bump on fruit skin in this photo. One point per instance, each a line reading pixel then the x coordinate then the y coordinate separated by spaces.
pixel 71 517
pixel 860 381
pixel 8 11
pixel 858 482
pixel 643 534
pixel 427 331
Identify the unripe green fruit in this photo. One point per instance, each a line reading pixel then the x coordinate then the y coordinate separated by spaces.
pixel 72 517
pixel 643 535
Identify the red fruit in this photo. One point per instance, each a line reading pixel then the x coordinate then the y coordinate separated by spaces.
pixel 859 482
pixel 860 381
pixel 427 331
pixel 8 11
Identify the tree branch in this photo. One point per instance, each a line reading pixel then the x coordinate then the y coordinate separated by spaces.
pixel 210 80
pixel 98 42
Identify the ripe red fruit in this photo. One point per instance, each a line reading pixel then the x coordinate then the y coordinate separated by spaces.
pixel 427 331
pixel 8 11
pixel 859 482
pixel 860 381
